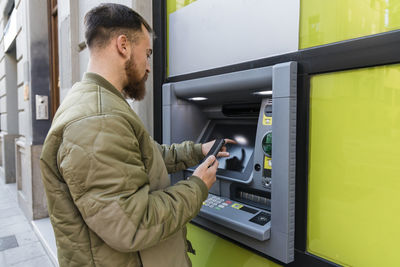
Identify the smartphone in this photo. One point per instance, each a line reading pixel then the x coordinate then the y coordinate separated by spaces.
pixel 219 143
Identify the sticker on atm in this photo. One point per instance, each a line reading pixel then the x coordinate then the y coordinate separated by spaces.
pixel 267 163
pixel 267 120
pixel 237 206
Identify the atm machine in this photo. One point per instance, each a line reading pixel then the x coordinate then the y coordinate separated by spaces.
pixel 253 199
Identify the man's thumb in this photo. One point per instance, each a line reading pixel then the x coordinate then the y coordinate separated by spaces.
pixel 210 160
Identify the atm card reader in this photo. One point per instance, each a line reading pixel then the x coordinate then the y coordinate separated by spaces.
pixel 253 199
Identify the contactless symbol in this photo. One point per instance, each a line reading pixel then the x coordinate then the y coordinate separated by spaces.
pixel 237 206
pixel 267 120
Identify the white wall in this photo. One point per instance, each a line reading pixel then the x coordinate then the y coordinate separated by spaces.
pixel 208 34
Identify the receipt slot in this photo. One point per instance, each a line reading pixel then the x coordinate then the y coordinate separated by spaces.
pixel 253 199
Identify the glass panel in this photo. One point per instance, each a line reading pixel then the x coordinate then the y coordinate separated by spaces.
pixel 172 6
pixel 354 181
pixel 213 251
pixel 324 22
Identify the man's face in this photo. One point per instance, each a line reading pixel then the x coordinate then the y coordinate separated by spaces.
pixel 137 67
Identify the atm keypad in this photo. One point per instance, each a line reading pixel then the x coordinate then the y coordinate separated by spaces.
pixel 219 203
pixel 216 202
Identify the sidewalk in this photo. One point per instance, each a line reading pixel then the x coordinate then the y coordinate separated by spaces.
pixel 19 244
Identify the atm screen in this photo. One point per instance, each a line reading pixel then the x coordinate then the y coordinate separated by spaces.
pixel 244 133
pixel 241 152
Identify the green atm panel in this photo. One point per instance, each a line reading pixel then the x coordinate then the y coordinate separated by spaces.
pixel 354 170
pixel 325 22
pixel 210 255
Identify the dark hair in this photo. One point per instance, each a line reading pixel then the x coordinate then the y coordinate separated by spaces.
pixel 105 21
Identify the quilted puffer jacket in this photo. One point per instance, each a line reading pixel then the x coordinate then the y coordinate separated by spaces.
pixel 109 196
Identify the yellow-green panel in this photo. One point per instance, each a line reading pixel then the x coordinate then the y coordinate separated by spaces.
pixel 212 251
pixel 174 5
pixel 324 22
pixel 354 169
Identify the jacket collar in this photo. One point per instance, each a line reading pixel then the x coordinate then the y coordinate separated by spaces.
pixel 99 80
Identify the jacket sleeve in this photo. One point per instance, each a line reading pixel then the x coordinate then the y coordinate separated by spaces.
pixel 179 157
pixel 101 162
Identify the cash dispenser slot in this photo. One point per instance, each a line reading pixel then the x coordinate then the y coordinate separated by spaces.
pixel 254 197
pixel 252 201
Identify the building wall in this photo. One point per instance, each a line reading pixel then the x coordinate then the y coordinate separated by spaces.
pixel 353 148
pixel 74 54
pixel 9 63
pixel 33 80
pixel 24 73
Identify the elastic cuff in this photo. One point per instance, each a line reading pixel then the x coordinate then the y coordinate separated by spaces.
pixel 198 152
pixel 202 185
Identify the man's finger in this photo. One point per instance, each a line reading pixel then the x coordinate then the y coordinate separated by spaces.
pixel 215 166
pixel 230 141
pixel 223 154
pixel 209 160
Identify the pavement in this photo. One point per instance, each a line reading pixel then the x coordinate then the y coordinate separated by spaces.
pixel 20 241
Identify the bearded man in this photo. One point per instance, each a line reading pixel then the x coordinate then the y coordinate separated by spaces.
pixel 109 196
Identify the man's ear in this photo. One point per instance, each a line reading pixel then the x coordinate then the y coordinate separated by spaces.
pixel 123 45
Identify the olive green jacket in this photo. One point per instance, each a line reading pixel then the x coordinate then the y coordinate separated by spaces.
pixel 109 195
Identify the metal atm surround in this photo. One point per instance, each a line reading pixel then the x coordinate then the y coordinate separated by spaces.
pixel 185 119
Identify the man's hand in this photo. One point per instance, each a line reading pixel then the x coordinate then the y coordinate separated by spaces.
pixel 207 146
pixel 207 171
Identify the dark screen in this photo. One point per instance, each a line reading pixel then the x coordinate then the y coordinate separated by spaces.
pixel 244 135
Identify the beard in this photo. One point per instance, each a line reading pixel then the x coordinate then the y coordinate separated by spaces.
pixel 136 87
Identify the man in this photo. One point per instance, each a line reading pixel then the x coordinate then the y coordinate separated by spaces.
pixel 109 196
